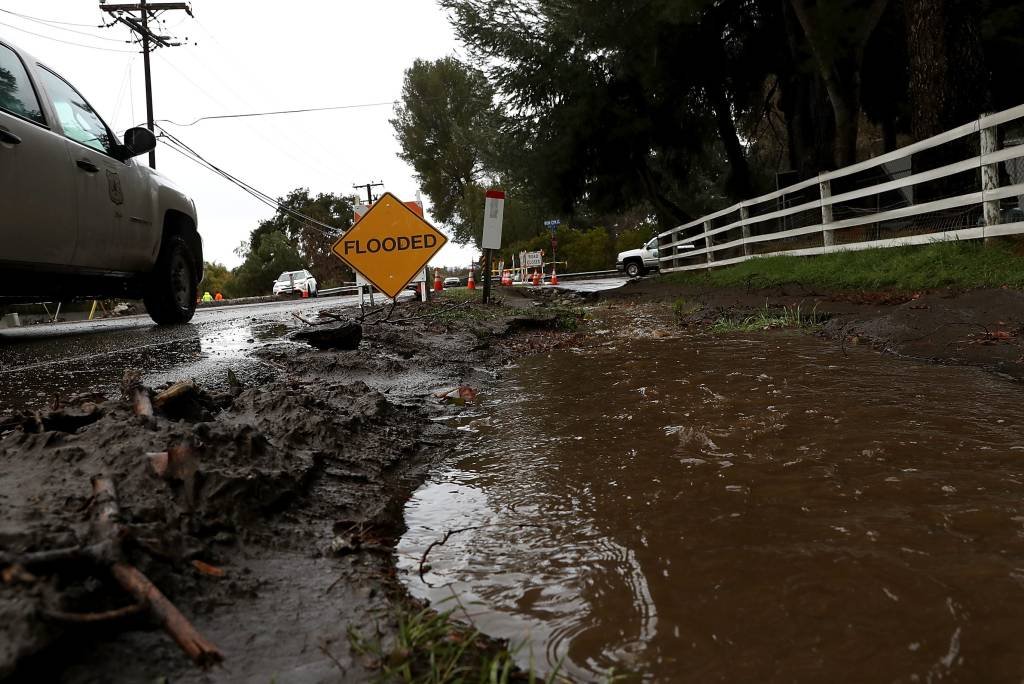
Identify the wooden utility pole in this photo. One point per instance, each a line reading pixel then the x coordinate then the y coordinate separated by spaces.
pixel 369 190
pixel 137 18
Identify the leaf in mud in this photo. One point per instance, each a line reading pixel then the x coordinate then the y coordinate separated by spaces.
pixel 207 569
pixel 233 379
pixel 467 393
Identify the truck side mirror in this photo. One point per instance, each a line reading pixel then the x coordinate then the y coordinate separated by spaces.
pixel 138 141
pixel 654 252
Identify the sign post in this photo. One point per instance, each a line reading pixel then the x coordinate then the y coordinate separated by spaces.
pixel 389 245
pixel 552 225
pixel 494 212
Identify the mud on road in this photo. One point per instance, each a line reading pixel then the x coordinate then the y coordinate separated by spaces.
pixel 981 328
pixel 267 513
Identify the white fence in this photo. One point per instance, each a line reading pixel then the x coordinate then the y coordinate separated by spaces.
pixel 904 197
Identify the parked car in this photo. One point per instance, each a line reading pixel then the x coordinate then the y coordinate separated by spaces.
pixel 637 262
pixel 81 217
pixel 291 282
pixel 452 281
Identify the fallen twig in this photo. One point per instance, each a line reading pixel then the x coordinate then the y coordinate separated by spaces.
pixel 423 567
pixel 103 616
pixel 202 652
pixel 440 310
pixel 108 524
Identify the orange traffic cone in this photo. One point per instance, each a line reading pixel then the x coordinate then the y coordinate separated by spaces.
pixel 470 284
pixel 438 285
pixel 305 293
pixel 536 277
pixel 554 275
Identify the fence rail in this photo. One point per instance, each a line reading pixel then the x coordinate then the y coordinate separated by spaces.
pixel 914 195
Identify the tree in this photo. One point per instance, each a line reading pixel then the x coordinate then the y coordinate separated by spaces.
pixel 451 133
pixel 949 84
pixel 442 123
pixel 312 224
pixel 273 254
pixel 217 278
pixel 837 33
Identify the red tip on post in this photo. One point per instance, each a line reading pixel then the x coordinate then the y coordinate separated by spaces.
pixel 495 194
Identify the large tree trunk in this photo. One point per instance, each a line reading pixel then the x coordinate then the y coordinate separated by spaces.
pixel 839 60
pixel 810 126
pixel 738 184
pixel 949 84
pixel 668 213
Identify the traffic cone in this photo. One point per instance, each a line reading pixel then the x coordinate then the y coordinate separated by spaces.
pixel 438 285
pixel 554 275
pixel 471 284
pixel 536 277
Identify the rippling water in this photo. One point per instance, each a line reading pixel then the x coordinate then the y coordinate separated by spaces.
pixel 746 508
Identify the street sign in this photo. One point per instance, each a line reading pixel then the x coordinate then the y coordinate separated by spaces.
pixel 389 245
pixel 494 212
pixel 533 259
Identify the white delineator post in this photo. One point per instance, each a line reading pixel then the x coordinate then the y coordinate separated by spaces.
pixel 825 189
pixel 494 212
pixel 989 179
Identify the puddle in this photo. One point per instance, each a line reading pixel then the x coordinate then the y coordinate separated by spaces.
pixel 744 508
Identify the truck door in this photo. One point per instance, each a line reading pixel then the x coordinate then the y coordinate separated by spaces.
pixel 99 176
pixel 37 219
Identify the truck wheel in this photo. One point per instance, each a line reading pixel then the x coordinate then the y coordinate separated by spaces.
pixel 633 269
pixel 170 295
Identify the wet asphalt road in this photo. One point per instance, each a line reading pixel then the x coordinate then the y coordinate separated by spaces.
pixel 37 362
pixel 40 361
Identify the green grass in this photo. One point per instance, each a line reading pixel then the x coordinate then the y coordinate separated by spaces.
pixel 433 648
pixel 941 264
pixel 768 317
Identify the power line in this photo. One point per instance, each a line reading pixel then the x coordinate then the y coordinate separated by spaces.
pixel 185 150
pixel 66 42
pixel 49 21
pixel 140 25
pixel 283 111
pixel 50 24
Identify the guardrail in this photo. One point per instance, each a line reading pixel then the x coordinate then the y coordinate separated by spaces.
pixel 911 196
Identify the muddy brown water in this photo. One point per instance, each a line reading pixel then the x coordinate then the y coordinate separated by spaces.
pixel 754 507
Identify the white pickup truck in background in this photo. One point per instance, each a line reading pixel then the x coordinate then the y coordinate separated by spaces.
pixel 79 216
pixel 637 262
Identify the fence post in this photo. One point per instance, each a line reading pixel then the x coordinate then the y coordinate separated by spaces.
pixel 745 216
pixel 989 180
pixel 708 242
pixel 825 189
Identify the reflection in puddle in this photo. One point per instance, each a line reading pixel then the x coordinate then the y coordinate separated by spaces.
pixel 743 508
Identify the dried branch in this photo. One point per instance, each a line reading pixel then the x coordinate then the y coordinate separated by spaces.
pixel 103 616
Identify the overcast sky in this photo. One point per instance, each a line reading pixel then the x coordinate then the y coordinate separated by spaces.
pixel 243 56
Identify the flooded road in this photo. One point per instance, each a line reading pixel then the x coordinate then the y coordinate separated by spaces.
pixel 753 507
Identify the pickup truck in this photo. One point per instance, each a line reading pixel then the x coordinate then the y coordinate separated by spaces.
pixel 637 262
pixel 80 217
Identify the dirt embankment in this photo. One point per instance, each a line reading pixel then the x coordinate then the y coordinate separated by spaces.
pixel 983 328
pixel 267 514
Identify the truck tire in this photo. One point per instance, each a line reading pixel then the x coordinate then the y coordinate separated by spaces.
pixel 170 294
pixel 634 269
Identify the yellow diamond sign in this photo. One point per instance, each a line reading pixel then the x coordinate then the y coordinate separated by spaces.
pixel 389 245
